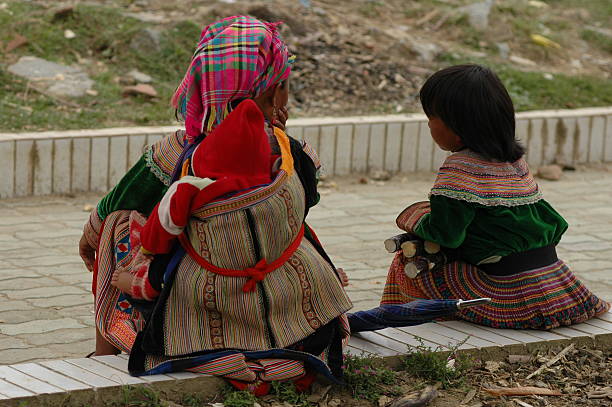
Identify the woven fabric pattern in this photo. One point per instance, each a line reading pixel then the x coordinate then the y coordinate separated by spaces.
pixel 161 157
pixel 543 298
pixel 466 176
pixel 291 303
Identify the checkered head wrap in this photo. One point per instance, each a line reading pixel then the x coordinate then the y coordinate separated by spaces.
pixel 237 57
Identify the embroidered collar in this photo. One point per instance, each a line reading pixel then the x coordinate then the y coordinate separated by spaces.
pixel 467 176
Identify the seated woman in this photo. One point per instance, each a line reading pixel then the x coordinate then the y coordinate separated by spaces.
pixel 248 293
pixel 487 212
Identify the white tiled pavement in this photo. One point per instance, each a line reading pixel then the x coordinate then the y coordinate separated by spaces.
pixel 46 306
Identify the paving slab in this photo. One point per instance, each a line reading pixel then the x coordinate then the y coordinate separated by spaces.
pixel 44 286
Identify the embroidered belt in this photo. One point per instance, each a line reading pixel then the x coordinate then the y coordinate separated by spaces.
pixel 518 262
pixel 256 273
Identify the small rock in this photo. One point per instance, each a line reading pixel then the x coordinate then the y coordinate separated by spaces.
pixel 139 76
pixel 381 176
pixel 522 61
pixel 478 14
pixel 363 180
pixel 69 34
pixel 504 49
pixel 551 172
pixel 519 358
pixel 576 64
pixel 146 40
pixel 147 17
pixel 140 89
pixel 548 76
pixel 91 92
pixel 59 80
pixel 334 402
pixel 87 208
pixel 383 401
pixel 426 51
pixel 319 11
pixel 62 12
pixel 537 4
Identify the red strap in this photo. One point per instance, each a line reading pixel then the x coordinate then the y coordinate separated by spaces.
pixel 256 273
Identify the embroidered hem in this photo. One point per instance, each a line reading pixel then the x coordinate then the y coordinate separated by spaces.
pixel 155 169
pixel 494 201
pixel 411 217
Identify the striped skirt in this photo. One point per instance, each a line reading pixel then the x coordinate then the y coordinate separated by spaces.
pixel 542 298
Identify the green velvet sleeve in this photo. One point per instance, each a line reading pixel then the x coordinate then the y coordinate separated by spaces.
pixel 447 222
pixel 139 190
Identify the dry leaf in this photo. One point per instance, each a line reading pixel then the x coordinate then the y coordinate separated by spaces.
pixel 16 42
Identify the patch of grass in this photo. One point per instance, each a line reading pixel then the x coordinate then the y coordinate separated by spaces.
pixel 192 400
pixel 599 40
pixel 435 365
pixel 365 377
pixel 235 398
pixel 532 91
pixel 285 392
pixel 141 397
pixel 102 48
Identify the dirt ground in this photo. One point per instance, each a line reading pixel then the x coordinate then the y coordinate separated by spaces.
pixel 583 376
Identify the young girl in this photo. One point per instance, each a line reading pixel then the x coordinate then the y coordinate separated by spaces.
pixel 487 208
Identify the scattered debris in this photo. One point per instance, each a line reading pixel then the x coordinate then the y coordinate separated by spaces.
pixel 601 393
pixel 551 172
pixel 427 395
pixel 468 397
pixel 552 361
pixel 492 366
pixel 478 14
pixel 91 92
pixel 543 41
pixel 522 61
pixel 519 358
pixel 537 4
pixel 380 175
pixel 140 89
pixel 504 49
pixel 69 34
pixel 522 391
pixel 147 17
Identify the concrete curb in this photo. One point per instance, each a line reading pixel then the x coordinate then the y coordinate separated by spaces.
pixel 63 162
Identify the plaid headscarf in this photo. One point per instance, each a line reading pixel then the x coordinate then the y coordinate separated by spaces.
pixel 237 57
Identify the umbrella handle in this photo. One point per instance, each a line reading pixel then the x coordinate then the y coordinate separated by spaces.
pixel 463 304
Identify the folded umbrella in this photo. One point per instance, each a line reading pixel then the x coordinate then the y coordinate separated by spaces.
pixel 412 313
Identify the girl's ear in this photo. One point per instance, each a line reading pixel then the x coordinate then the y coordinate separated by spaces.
pixel 277 96
pixel 458 142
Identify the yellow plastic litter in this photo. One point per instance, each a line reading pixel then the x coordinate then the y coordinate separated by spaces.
pixel 543 41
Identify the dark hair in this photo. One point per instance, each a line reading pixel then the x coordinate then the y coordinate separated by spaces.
pixel 473 102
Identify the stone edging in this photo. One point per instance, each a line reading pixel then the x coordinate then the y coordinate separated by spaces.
pixel 58 162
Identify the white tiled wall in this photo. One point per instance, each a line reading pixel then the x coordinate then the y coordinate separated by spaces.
pixel 94 160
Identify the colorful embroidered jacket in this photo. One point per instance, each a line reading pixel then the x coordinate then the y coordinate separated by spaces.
pixel 484 209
